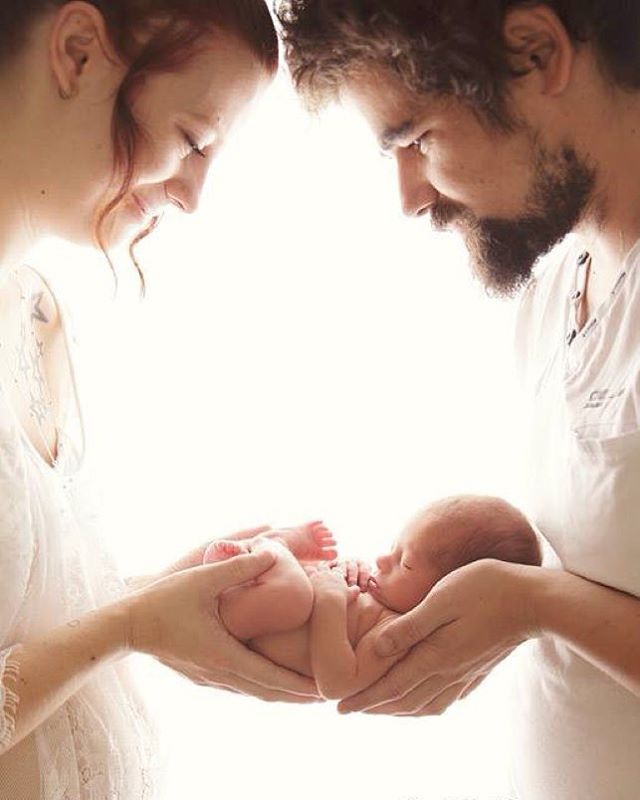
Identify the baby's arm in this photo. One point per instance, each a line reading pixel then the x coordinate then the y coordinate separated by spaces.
pixel 338 669
pixel 279 600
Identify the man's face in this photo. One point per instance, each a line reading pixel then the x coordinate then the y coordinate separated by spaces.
pixel 512 196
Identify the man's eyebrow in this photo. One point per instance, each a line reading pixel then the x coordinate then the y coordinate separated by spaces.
pixel 392 135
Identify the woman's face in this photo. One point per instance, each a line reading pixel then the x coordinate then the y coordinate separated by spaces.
pixel 186 116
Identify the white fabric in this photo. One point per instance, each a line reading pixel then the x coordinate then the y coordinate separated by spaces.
pixel 576 731
pixel 54 567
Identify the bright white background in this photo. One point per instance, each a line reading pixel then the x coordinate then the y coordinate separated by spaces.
pixel 304 352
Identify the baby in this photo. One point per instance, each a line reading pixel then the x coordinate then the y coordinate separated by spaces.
pixel 305 618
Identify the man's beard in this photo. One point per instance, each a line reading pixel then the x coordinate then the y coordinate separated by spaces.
pixel 504 251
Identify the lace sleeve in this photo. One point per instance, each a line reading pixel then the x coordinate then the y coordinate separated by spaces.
pixel 9 668
pixel 17 550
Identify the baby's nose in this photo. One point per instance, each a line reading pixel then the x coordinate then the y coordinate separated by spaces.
pixel 382 563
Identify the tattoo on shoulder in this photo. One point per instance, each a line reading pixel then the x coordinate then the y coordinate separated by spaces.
pixel 36 310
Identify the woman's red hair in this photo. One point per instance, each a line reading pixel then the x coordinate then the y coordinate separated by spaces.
pixel 188 22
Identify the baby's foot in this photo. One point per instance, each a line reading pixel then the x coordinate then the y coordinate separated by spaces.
pixel 309 542
pixel 222 549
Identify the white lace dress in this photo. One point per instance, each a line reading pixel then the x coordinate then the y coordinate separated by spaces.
pixel 54 567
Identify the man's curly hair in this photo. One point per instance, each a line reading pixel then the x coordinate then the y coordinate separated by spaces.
pixel 443 47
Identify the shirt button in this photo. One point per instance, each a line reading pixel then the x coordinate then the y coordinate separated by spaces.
pixel 583 258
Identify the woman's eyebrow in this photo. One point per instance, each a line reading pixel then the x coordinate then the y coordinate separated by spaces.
pixel 207 120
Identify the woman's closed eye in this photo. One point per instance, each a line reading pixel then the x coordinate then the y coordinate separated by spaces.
pixel 193 147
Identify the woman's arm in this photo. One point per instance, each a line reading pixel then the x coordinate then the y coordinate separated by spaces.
pixel 175 619
pixel 476 615
pixel 48 671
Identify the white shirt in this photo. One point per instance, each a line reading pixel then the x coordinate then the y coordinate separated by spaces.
pixel 54 567
pixel 577 731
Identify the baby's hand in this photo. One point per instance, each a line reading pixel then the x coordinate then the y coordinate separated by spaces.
pixel 357 572
pixel 331 581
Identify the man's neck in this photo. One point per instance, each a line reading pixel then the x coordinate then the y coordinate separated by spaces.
pixel 613 224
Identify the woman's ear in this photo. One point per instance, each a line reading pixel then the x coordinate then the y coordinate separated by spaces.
pixel 538 42
pixel 79 46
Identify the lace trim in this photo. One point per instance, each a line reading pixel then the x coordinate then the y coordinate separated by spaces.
pixel 9 668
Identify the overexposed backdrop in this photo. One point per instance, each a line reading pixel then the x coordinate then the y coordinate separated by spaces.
pixel 304 352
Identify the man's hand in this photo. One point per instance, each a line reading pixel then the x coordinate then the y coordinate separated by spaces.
pixel 471 620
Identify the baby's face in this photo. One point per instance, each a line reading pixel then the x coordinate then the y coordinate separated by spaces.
pixel 405 574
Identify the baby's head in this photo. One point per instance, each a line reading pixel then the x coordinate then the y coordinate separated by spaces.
pixel 445 536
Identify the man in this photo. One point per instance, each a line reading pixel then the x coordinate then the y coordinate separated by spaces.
pixel 517 123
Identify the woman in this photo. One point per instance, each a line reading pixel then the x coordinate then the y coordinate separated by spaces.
pixel 111 109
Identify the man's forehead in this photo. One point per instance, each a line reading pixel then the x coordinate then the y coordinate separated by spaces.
pixel 391 110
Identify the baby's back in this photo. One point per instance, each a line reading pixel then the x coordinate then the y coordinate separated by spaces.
pixel 291 649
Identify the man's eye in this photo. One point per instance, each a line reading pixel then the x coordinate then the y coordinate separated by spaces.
pixel 406 566
pixel 421 144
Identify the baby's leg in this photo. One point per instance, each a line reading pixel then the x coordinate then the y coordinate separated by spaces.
pixel 280 599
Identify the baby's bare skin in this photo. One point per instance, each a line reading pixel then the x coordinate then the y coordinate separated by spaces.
pixel 307 618
pixel 292 649
pixel 278 623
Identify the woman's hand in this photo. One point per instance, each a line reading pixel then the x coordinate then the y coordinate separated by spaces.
pixel 176 620
pixel 471 620
pixel 328 581
pixel 193 558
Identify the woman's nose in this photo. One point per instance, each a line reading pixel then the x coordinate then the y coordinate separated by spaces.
pixel 417 195
pixel 185 188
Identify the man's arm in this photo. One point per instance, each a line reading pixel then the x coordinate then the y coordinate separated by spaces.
pixel 599 623
pixel 338 669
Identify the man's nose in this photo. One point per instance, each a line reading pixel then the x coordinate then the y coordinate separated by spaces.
pixel 417 195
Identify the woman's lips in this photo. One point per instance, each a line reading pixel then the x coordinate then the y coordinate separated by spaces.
pixel 144 211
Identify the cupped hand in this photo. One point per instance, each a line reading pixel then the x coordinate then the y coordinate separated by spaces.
pixel 471 620
pixel 194 557
pixel 176 620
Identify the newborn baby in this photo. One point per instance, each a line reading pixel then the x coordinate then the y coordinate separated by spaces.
pixel 307 619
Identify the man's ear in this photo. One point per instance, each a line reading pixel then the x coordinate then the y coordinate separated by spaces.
pixel 538 41
pixel 78 45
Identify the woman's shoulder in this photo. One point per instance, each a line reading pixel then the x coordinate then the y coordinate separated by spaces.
pixel 42 301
